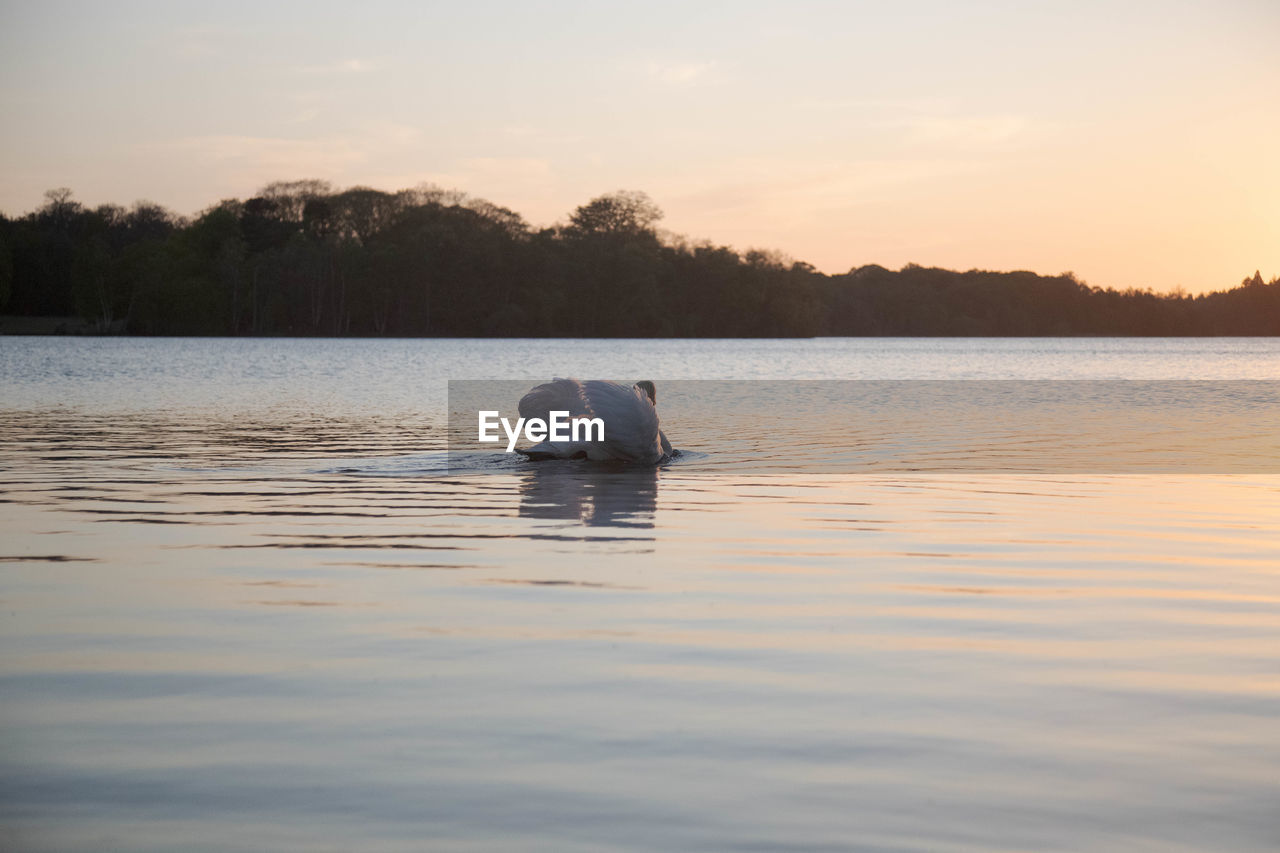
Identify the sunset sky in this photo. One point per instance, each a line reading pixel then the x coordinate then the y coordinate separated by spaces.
pixel 1132 143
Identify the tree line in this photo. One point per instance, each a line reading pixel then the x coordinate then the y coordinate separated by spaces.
pixel 301 258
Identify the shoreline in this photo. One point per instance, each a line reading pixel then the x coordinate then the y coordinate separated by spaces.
pixel 13 325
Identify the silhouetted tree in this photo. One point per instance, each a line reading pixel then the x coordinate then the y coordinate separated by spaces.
pixel 300 258
pixel 622 212
pixel 6 263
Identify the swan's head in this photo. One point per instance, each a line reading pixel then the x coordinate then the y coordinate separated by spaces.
pixel 647 387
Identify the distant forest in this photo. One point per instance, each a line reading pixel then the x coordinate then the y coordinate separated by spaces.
pixel 303 259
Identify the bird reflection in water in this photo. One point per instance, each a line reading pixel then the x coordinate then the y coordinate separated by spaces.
pixel 593 494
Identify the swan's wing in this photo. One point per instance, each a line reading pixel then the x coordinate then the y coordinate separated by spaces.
pixel 562 395
pixel 630 421
pixel 666 445
pixel 558 395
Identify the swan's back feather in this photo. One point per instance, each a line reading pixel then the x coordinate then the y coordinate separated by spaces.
pixel 558 395
pixel 630 421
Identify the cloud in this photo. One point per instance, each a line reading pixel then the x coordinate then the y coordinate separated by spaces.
pixel 247 162
pixel 519 168
pixel 679 73
pixel 345 66
pixel 305 115
pixel 269 157
pixel 970 131
pixel 500 175
pixel 808 189
pixel 198 42
pixel 813 208
pixel 925 121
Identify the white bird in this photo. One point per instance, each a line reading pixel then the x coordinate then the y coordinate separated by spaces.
pixel 630 416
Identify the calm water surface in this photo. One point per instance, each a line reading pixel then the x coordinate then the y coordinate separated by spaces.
pixel 244 606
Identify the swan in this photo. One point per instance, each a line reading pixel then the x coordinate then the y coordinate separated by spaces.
pixel 630 415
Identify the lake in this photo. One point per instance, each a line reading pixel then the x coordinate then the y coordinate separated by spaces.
pixel 252 600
